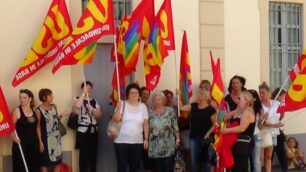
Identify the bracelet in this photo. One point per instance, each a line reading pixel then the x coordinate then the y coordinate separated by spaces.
pixel 178 140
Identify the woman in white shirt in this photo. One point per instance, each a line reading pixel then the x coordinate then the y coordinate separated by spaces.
pixel 271 124
pixel 134 131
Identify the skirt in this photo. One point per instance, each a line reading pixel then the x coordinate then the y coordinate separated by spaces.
pixel 266 138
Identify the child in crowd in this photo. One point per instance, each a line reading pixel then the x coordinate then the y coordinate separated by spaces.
pixel 294 155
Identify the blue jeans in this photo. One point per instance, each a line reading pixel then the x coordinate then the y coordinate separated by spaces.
pixel 256 164
pixel 195 150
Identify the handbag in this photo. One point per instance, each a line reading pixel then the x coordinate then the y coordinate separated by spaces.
pixel 113 128
pixel 62 128
pixel 72 122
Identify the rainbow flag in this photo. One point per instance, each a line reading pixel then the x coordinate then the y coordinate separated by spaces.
pixel 48 43
pixel 131 31
pixel 96 21
pixel 185 72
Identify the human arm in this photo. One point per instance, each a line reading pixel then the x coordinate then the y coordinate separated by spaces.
pixel 38 130
pixel 118 112
pixel 246 118
pixel 15 117
pixel 145 126
pixel 213 120
pixel 175 127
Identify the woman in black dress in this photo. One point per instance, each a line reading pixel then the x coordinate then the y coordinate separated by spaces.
pixel 25 121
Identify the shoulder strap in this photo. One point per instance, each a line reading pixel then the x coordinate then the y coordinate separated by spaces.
pixel 123 108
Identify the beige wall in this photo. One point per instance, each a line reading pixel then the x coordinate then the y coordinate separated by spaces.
pixel 242 41
pixel 212 35
pixel 21 23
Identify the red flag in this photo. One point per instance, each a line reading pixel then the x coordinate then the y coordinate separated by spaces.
pixel 154 54
pixel 96 21
pixel 185 72
pixel 299 66
pixel 50 40
pixel 165 24
pixel 295 97
pixel 217 89
pixel 6 124
pixel 115 93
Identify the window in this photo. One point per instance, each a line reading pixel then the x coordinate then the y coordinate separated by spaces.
pixel 285 39
pixel 121 8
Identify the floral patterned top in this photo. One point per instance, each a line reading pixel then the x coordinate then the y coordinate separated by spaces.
pixel 162 137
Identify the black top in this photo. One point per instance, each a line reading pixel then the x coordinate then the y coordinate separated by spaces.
pixel 232 105
pixel 250 130
pixel 26 128
pixel 200 120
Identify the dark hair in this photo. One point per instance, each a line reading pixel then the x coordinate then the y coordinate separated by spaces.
pixel 273 95
pixel 241 79
pixel 30 94
pixel 131 86
pixel 257 106
pixel 168 92
pixel 264 86
pixel 43 93
pixel 87 83
pixel 144 89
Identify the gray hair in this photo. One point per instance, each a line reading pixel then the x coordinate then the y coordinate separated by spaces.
pixel 158 93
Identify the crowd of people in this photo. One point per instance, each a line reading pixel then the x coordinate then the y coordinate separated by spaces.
pixel 155 128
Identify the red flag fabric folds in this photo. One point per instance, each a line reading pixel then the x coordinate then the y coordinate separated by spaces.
pixel 295 97
pixel 6 124
pixel 96 21
pixel 49 42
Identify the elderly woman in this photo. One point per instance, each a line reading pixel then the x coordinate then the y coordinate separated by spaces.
pixel 164 135
pixel 25 121
pixel 134 131
pixel 202 120
pixel 244 115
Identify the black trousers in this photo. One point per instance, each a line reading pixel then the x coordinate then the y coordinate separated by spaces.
pixel 162 164
pixel 128 156
pixel 88 146
pixel 280 150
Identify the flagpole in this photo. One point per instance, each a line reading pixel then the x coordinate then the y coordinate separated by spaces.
pixel 278 93
pixel 177 85
pixel 21 152
pixel 117 69
pixel 84 81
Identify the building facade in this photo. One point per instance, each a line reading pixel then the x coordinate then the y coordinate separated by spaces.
pixel 240 32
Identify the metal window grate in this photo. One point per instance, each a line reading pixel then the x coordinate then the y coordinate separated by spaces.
pixel 121 8
pixel 285 39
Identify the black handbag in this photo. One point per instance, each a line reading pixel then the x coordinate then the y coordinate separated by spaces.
pixel 72 122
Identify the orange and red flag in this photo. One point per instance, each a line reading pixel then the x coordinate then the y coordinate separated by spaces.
pixel 299 66
pixel 161 40
pixel 96 21
pixel 295 97
pixel 165 24
pixel 6 124
pixel 49 42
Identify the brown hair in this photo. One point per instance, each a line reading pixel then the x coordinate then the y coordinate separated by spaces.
pixel 296 142
pixel 30 94
pixel 43 93
pixel 264 86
